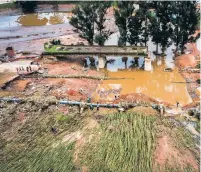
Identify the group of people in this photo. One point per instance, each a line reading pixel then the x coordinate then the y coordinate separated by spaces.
pixel 21 68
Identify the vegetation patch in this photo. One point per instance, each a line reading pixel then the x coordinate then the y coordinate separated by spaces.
pixel 7 5
pixel 39 160
pixel 110 143
pixel 198 66
pixel 126 144
pixel 198 81
pixel 29 145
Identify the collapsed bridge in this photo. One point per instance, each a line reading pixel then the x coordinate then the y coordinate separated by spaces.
pixel 100 51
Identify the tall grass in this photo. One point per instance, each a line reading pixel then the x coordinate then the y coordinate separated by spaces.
pixel 34 148
pixel 42 160
pixel 126 145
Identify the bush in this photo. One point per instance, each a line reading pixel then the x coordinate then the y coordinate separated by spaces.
pixel 55 42
pixel 7 5
pixel 198 66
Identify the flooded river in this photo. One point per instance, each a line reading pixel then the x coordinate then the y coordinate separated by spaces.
pixel 156 84
pixel 35 19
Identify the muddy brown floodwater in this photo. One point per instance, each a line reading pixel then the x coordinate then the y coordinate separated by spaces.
pixel 156 84
pixel 35 19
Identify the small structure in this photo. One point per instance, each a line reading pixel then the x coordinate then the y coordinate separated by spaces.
pixel 10 52
pixel 147 64
pixel 101 62
pixel 168 70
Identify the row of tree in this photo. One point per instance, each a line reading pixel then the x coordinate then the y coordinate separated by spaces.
pixel 89 19
pixel 165 22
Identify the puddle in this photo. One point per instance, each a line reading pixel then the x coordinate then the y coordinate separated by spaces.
pixel 156 84
pixel 35 19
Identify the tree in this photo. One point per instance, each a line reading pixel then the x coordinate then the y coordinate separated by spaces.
pixel 161 27
pixel 27 6
pixel 139 24
pixel 164 13
pixel 135 29
pixel 83 20
pixel 90 17
pixel 145 15
pixel 185 20
pixel 102 34
pixel 123 12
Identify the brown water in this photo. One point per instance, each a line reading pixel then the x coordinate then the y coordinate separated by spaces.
pixel 35 19
pixel 156 84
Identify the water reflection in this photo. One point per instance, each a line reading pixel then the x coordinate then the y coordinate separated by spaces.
pixel 42 19
pixel 32 20
pixel 56 19
pixel 124 60
pixel 156 83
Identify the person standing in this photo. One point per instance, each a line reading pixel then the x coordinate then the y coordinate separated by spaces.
pixel 89 100
pixel 97 106
pixel 177 104
pixel 161 109
pixel 27 69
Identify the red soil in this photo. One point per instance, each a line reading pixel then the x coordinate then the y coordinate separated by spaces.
pixel 65 68
pixel 19 85
pixel 73 89
pixel 186 60
pixel 167 153
pixel 190 60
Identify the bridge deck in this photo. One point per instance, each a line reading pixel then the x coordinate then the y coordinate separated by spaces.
pixel 95 50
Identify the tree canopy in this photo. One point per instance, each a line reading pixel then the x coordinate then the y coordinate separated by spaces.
pixel 89 17
pixel 83 19
pixel 164 22
pixel 123 12
pixel 184 19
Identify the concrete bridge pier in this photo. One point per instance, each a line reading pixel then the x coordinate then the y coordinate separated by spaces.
pixel 147 64
pixel 101 62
